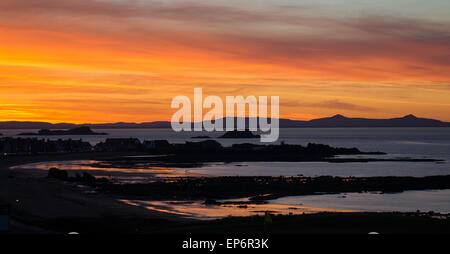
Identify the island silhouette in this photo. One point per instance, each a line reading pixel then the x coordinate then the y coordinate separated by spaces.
pixel 84 130
pixel 336 121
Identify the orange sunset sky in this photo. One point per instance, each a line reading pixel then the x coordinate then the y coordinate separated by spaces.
pixel 115 60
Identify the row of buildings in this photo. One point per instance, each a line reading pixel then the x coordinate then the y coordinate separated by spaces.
pixel 10 145
pixel 33 145
pixel 131 145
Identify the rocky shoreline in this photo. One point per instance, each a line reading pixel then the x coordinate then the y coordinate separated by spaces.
pixel 264 188
pixel 62 206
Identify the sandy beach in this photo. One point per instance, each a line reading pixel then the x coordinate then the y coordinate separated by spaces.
pixel 41 205
pixel 34 198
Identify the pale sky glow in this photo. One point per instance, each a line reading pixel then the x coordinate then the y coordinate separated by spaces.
pixel 109 61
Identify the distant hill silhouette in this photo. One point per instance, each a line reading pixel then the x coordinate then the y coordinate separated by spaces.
pixel 335 121
pixel 406 121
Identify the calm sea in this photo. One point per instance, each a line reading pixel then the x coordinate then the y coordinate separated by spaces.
pixel 418 141
pixel 431 143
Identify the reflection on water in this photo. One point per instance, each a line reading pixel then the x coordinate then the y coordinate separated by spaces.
pixel 312 169
pixel 409 201
pixel 198 210
pixel 431 143
pixel 406 141
pixel 134 174
pixel 143 172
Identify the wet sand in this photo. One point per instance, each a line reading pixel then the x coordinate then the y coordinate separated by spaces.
pixel 35 199
pixel 41 205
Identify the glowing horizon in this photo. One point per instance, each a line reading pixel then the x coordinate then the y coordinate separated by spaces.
pixel 123 61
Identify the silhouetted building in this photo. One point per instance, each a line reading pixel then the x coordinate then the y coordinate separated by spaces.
pixel 157 145
pixel 119 145
pixel 203 146
pixel 34 146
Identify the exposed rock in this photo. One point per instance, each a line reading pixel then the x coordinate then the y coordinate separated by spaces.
pixel 211 202
pixel 57 174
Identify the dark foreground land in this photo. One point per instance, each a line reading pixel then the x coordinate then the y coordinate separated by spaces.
pixel 320 223
pixel 48 205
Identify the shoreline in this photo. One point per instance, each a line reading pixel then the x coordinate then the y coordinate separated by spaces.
pixel 62 205
pixel 35 200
